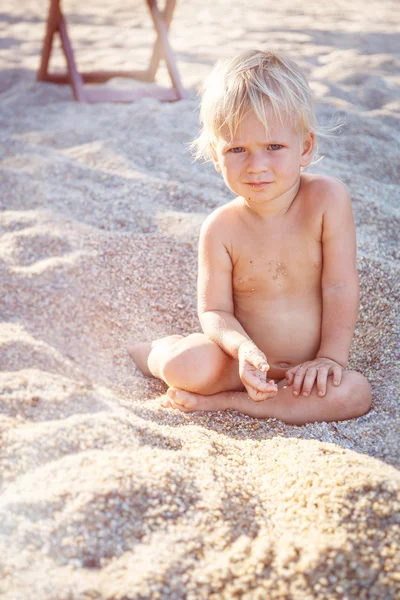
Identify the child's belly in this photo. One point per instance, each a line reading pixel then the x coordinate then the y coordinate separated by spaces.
pixel 287 330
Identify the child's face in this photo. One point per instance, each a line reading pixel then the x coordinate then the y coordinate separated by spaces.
pixel 261 168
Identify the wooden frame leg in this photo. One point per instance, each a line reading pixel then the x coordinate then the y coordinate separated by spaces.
pixel 53 21
pixel 167 15
pixel 162 45
pixel 75 77
pixel 56 23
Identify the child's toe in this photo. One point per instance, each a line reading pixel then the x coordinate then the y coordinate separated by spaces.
pixel 166 403
pixel 185 401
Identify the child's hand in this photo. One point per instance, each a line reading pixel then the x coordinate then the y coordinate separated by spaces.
pixel 253 367
pixel 304 376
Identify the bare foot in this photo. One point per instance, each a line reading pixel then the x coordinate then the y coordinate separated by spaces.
pixel 240 401
pixel 190 402
pixel 140 352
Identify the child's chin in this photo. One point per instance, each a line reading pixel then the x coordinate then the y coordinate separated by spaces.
pixel 257 197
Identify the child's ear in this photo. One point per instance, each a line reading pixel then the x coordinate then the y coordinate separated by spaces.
pixel 307 149
pixel 215 160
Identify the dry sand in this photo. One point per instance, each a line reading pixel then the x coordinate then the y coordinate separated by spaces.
pixel 104 494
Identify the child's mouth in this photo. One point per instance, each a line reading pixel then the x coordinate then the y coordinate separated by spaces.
pixel 259 184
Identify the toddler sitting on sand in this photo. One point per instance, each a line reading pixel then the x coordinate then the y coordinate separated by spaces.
pixel 277 282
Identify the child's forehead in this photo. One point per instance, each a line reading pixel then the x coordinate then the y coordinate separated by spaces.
pixel 251 128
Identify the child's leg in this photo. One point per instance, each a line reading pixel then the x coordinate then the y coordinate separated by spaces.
pixel 194 363
pixel 352 398
pixel 140 351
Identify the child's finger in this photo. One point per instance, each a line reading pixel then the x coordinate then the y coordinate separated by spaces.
pixel 322 379
pixel 259 361
pixel 298 380
pixel 255 357
pixel 258 396
pixel 252 354
pixel 262 366
pixel 290 375
pixel 309 379
pixel 337 375
pixel 253 393
pixel 255 382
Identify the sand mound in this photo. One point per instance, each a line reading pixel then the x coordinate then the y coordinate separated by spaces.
pixel 105 495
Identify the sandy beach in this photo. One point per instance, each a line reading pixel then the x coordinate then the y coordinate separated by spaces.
pixel 104 494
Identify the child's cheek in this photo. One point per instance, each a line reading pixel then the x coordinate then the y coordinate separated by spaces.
pixel 233 162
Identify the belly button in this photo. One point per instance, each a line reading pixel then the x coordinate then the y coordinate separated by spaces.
pixel 283 365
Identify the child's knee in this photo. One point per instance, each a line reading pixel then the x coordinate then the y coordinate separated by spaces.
pixel 193 366
pixel 353 397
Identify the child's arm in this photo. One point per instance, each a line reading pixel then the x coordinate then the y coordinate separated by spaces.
pixel 216 309
pixel 340 284
pixel 340 295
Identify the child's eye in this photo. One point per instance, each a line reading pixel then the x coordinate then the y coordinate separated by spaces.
pixel 275 147
pixel 237 150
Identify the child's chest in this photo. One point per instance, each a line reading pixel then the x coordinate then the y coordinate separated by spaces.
pixel 277 261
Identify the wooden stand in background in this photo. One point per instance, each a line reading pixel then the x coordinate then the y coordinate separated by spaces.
pixel 162 50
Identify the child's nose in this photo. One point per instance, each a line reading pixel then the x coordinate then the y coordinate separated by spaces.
pixel 257 164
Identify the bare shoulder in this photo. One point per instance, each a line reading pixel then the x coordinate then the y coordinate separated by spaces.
pixel 215 249
pixel 326 191
pixel 220 221
pixel 335 209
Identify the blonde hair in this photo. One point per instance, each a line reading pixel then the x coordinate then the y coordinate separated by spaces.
pixel 253 81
